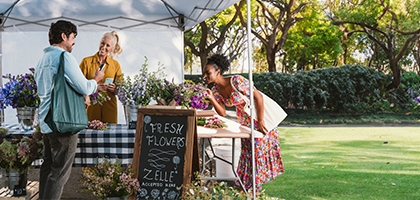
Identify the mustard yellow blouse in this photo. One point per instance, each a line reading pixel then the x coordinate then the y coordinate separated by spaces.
pixel 107 112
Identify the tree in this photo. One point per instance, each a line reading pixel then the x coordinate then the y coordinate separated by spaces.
pixel 391 25
pixel 215 34
pixel 313 42
pixel 271 22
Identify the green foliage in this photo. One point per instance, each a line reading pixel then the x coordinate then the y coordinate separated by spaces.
pixel 353 89
pixel 218 191
pixel 313 42
pixel 411 80
pixel 335 89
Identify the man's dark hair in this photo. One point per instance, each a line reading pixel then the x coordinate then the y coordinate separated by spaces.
pixel 59 27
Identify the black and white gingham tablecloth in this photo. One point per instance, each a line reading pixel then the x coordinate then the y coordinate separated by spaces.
pixel 116 142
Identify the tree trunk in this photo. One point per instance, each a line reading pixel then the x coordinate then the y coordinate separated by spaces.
pixel 203 59
pixel 271 59
pixel 396 74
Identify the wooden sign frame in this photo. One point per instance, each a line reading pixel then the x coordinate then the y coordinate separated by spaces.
pixel 190 137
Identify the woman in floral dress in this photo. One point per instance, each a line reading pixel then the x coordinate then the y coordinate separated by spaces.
pixel 267 149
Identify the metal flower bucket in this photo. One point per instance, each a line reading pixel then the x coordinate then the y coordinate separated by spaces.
pixel 15 181
pixel 26 117
pixel 131 116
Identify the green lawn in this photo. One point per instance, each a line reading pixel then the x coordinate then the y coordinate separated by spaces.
pixel 348 163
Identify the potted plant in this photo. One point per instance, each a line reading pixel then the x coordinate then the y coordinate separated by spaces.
pixel 20 92
pixel 108 178
pixel 17 152
pixel 146 86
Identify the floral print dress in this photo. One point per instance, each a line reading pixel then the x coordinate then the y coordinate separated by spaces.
pixel 268 159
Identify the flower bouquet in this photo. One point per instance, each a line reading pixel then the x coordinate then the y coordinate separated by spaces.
pixel 212 122
pixel 20 91
pixel 191 95
pixel 109 179
pixel 97 125
pixel 139 90
pixel 99 97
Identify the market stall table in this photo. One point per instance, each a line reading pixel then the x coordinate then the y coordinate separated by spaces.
pixel 116 142
pixel 233 130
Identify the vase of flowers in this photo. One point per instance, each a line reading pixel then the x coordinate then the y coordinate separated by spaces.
pixel 137 92
pixel 108 178
pixel 20 92
pixel 17 152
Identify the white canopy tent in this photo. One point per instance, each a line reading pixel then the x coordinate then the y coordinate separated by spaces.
pixel 147 28
pixel 151 28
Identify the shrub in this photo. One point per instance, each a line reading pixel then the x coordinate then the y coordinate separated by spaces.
pixel 346 89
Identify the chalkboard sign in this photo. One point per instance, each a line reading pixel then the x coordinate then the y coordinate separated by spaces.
pixel 163 152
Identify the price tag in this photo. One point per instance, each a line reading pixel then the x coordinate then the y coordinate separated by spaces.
pixel 19 191
pixel 132 125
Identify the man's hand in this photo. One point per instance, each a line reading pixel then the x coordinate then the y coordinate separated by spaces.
pixel 99 75
pixel 87 100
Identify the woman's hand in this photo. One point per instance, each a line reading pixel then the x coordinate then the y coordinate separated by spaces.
pixel 210 95
pixel 111 87
pixel 102 86
pixel 261 127
pixel 218 107
pixel 259 105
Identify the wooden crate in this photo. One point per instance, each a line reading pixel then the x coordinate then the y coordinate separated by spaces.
pixel 31 192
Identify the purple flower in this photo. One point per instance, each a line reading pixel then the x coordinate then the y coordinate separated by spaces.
pixel 191 95
pixel 20 91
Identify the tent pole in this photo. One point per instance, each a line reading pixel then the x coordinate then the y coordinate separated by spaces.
pixel 1 72
pixel 251 94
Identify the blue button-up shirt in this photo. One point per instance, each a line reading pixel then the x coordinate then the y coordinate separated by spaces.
pixel 44 73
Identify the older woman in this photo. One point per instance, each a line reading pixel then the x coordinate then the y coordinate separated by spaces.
pixel 108 47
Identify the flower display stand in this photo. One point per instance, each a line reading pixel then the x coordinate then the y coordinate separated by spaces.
pixel 32 191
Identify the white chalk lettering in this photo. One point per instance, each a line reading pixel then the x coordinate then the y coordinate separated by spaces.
pixel 172 128
pixel 170 185
pixel 149 184
pixel 146 176
pixel 164 176
pixel 153 140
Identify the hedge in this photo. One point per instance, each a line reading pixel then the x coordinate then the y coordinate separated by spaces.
pixel 349 88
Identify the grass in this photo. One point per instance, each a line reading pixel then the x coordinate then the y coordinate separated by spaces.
pixel 313 117
pixel 348 163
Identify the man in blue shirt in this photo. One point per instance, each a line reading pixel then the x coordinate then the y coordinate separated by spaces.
pixel 59 148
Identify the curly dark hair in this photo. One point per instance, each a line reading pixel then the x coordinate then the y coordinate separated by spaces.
pixel 59 27
pixel 219 61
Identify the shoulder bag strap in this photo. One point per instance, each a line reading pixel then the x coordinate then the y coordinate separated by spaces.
pixel 60 69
